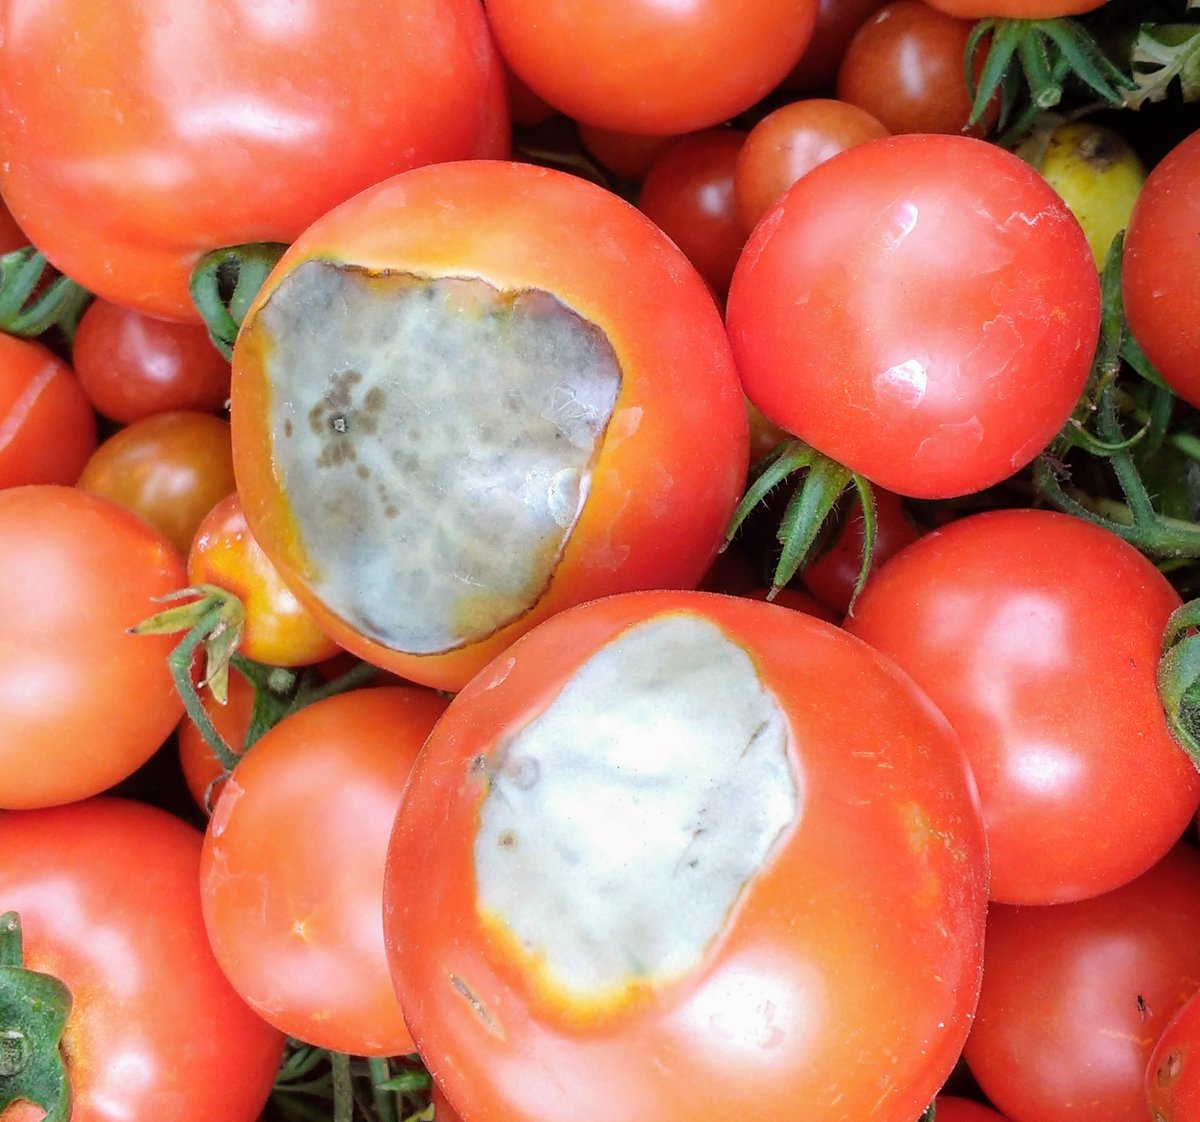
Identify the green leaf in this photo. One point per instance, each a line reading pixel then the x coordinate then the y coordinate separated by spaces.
pixel 1161 54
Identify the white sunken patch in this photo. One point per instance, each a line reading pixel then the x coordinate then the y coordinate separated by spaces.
pixel 623 823
pixel 436 439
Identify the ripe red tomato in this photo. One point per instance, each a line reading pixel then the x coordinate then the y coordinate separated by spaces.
pixel 170 468
pixel 133 366
pixel 647 67
pixel 1075 996
pixel 860 325
pixel 169 128
pixel 84 702
pixel 1173 1072
pixel 47 427
pixel 837 21
pixel 473 395
pixel 107 896
pixel 953 1109
pixel 292 871
pixel 683 837
pixel 1160 272
pixel 1038 635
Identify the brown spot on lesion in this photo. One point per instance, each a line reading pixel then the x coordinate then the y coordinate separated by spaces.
pixel 487 1019
pixel 363 472
pixel 507 839
pixel 391 511
pixel 288 428
pixel 375 400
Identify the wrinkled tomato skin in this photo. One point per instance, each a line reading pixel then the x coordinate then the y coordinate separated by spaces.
pixel 1075 996
pixel 733 1037
pixel 167 129
pixel 860 324
pixel 675 453
pixel 1038 635
pixel 107 891
pixel 1173 1072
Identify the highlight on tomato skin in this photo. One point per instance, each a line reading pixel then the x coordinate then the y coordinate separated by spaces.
pixel 679 835
pixel 594 441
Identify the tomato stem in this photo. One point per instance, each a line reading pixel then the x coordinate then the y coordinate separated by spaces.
pixel 385 1100
pixel 1179 678
pixel 224 284
pixel 28 306
pixel 343 1091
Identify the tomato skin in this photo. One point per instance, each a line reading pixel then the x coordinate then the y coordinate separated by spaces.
pixel 107 894
pixel 238 150
pixel 646 67
pixel 514 1052
pixel 170 469
pixel 201 769
pixel 1160 280
pixel 47 427
pixel 84 702
pixel 133 366
pixel 859 325
pixel 673 462
pixel 953 1109
pixel 1038 635
pixel 1173 1073
pixel 1015 9
pixel 1060 1033
pixel 292 867
pixel 837 21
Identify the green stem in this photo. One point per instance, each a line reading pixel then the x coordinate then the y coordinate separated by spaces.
pixel 343 1089
pixel 180 663
pixel 1179 676
pixel 385 1101
pixel 224 284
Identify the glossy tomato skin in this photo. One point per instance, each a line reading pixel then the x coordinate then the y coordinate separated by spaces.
pixel 1160 279
pixel 1075 996
pixel 292 869
pixel 646 67
pixel 829 931
pixel 837 21
pixel 862 323
pixel 1015 9
pixel 47 427
pixel 668 473
pixel 194 132
pixel 1038 635
pixel 951 1108
pixel 107 893
pixel 1173 1072
pixel 85 703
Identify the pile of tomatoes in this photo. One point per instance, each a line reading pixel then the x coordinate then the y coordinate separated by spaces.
pixel 599 559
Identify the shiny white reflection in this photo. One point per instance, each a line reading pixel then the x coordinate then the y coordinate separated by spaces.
pixel 905 382
pixel 1045 768
pixel 247 117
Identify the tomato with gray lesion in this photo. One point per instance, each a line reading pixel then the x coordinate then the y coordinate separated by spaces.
pixel 435 438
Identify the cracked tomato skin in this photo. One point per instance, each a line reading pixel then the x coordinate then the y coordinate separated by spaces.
pixel 169 128
pixel 662 481
pixel 108 893
pixel 922 309
pixel 866 912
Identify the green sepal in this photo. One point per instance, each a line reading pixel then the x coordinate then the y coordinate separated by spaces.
pixel 28 313
pixel 1161 54
pixel 1179 678
pixel 33 1014
pixel 224 284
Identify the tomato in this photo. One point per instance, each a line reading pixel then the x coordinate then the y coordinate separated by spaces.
pixel 107 895
pixel 170 468
pixel 132 366
pixel 837 21
pixel 474 395
pixel 714 845
pixel 860 325
pixel 1173 1071
pixel 626 154
pixel 648 67
pixel 169 128
pixel 201 768
pixel 791 141
pixel 292 872
pixel 84 702
pixel 1160 277
pixel 277 628
pixel 953 1109
pixel 11 235
pixel 1075 995
pixel 1016 9
pixel 1038 635
pixel 47 427
pixel 688 193
pixel 904 66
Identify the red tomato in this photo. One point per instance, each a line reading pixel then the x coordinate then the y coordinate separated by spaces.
pixel 216 122
pixel 277 629
pixel 292 872
pixel 47 427
pixel 860 325
pixel 514 394
pixel 170 468
pixel 681 836
pixel 790 142
pixel 952 1109
pixel 133 366
pixel 626 154
pixel 837 21
pixel 11 235
pixel 1016 9
pixel 688 194
pixel 84 702
pixel 648 67
pixel 1160 272
pixel 1075 995
pixel 107 895
pixel 1038 635
pixel 1173 1072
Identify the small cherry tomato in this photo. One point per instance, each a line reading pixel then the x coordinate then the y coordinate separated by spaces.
pixel 1173 1072
pixel 837 21
pixel 627 155
pixel 170 469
